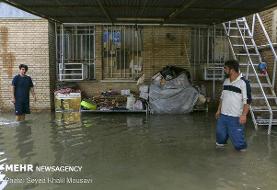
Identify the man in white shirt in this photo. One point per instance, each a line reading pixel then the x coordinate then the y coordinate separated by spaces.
pixel 233 108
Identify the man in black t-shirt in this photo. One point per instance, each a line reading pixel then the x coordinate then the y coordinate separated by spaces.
pixel 21 87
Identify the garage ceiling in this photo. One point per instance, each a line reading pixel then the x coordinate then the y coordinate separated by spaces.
pixel 143 11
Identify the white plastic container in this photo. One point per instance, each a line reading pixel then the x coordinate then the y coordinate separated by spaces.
pixel 125 92
pixel 130 102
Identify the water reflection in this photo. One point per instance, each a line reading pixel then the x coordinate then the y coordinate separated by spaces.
pixel 67 118
pixel 122 151
pixel 24 142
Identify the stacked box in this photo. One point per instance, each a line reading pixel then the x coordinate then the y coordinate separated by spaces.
pixel 67 102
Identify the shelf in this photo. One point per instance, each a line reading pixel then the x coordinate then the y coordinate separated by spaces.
pixel 114 111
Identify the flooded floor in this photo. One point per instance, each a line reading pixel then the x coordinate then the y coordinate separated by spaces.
pixel 132 152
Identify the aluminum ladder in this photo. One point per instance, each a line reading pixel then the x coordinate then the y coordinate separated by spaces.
pixel 245 50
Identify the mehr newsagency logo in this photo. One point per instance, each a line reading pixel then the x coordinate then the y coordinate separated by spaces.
pixel 43 168
pixel 22 168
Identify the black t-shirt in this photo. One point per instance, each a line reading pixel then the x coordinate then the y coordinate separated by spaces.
pixel 22 85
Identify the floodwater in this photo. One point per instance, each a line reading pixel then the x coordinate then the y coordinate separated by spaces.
pixel 132 152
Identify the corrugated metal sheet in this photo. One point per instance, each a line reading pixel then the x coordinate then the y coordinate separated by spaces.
pixel 144 11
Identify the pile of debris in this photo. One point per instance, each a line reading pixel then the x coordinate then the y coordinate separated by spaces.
pixel 115 100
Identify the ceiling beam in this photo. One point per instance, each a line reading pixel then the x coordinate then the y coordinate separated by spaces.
pixel 96 6
pixel 105 11
pixel 140 11
pixel 179 10
pixel 138 7
pixel 101 18
pixel 68 12
pixel 270 6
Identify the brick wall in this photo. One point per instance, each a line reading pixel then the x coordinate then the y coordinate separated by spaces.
pixel 26 42
pixel 165 46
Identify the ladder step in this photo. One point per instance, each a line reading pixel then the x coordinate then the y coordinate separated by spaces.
pixel 246 64
pixel 265 121
pixel 235 28
pixel 259 74
pixel 245 54
pixel 256 85
pixel 239 20
pixel 264 110
pixel 261 97
pixel 259 108
pixel 240 37
pixel 241 45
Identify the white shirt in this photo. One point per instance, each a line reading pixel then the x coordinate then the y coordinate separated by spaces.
pixel 233 97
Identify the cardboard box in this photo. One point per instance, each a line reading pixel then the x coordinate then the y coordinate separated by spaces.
pixel 68 102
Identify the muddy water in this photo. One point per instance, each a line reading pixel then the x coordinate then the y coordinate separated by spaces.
pixel 133 152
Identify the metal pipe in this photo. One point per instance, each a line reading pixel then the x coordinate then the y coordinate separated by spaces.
pixel 199 51
pixel 274 74
pixel 195 48
pixel 82 65
pixel 68 46
pixel 208 47
pixel 120 52
pixel 136 32
pixel 107 62
pixel 214 35
pixel 81 50
pixel 62 49
pixel 229 23
pixel 76 53
pixel 112 46
pixel 124 62
pixel 253 25
pixel 94 49
pixel 134 49
pixel 145 24
pixel 56 48
pixel 231 46
pixel 89 59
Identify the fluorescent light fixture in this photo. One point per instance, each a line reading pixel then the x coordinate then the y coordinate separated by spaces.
pixel 140 19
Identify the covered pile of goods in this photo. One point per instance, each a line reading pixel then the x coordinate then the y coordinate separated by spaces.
pixel 171 92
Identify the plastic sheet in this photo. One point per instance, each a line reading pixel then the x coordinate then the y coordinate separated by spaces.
pixel 176 96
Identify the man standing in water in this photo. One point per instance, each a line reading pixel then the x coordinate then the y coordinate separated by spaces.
pixel 233 108
pixel 21 87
